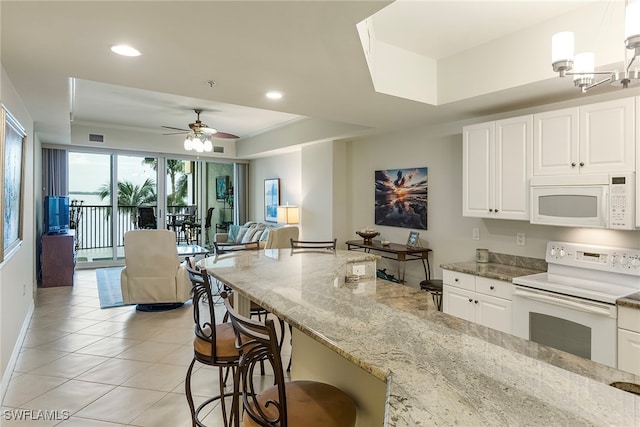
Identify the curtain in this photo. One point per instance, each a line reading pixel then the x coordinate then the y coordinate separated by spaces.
pixel 241 193
pixel 55 174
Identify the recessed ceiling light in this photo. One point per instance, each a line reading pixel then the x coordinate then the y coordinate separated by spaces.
pixel 125 50
pixel 274 95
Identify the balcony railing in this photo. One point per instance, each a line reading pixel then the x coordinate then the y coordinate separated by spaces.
pixel 94 228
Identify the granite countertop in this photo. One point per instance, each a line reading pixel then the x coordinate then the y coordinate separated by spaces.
pixel 439 370
pixel 500 267
pixel 631 301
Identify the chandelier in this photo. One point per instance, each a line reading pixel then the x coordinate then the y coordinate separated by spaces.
pixel 582 65
pixel 199 142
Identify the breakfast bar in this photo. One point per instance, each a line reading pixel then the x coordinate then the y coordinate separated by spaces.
pixel 435 369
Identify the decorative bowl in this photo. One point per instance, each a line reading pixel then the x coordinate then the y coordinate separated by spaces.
pixel 367 235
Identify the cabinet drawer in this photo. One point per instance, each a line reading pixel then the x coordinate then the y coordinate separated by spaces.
pixel 459 280
pixel 629 318
pixel 495 288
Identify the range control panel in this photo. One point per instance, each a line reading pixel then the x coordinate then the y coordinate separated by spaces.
pixel 604 258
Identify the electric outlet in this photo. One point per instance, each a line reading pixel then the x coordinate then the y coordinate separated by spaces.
pixel 476 233
pixel 520 239
pixel 358 270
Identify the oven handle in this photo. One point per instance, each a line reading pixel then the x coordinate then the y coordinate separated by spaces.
pixel 586 307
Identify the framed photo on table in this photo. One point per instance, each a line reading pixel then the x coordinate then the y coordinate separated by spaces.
pixel 414 240
pixel 271 199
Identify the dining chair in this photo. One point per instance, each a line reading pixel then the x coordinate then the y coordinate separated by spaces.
pixel 213 345
pixel 146 217
pixel 313 244
pixel 286 403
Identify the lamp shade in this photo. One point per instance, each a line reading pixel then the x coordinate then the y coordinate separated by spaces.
pixel 584 64
pixel 288 214
pixel 562 46
pixel 632 25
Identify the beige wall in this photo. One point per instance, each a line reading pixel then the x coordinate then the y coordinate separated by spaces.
pixel 17 271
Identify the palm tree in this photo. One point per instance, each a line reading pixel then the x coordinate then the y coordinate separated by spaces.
pixel 130 194
pixel 178 187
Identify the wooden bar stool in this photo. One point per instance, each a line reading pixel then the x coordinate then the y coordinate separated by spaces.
pixel 294 403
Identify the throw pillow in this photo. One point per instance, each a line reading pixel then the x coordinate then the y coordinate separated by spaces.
pixel 233 232
pixel 265 234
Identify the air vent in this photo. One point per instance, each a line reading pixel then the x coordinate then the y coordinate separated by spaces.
pixel 218 149
pixel 94 137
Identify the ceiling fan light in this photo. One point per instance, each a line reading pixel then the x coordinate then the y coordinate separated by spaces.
pixel 188 144
pixel 208 146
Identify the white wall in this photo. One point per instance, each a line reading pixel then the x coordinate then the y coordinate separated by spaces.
pixel 287 167
pixel 17 271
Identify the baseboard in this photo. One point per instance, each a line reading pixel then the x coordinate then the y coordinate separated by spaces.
pixel 6 375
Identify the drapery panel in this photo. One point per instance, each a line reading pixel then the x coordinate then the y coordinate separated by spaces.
pixel 55 173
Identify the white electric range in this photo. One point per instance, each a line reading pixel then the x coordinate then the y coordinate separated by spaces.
pixel 572 306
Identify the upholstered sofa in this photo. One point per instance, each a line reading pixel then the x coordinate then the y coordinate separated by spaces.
pixel 255 235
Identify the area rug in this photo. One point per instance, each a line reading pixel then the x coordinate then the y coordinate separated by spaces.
pixel 109 290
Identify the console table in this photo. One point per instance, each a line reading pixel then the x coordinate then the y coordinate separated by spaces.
pixel 395 251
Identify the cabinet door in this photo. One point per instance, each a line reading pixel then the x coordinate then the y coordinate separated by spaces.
pixel 493 312
pixel 458 302
pixel 555 142
pixel 513 152
pixel 477 176
pixel 607 137
pixel 629 351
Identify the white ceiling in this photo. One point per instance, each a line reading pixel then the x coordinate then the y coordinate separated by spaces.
pixel 310 50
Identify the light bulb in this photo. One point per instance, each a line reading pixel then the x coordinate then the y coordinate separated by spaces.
pixel 208 146
pixel 188 144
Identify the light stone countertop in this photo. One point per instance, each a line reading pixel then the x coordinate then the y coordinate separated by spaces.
pixel 440 370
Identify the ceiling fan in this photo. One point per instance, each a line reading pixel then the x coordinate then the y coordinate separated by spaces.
pixel 198 128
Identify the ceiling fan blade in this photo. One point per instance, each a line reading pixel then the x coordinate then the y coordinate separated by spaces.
pixel 176 133
pixel 208 131
pixel 171 127
pixel 225 135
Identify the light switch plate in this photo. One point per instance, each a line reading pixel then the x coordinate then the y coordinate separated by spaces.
pixel 520 239
pixel 476 233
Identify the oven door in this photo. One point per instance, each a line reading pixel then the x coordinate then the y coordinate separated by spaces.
pixel 581 327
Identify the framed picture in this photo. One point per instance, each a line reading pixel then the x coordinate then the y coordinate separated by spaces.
pixel 13 139
pixel 413 240
pixel 401 197
pixel 222 184
pixel 271 199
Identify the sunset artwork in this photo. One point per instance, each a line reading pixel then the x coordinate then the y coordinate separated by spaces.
pixel 401 198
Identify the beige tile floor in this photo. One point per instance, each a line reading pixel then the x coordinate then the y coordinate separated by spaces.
pixel 106 367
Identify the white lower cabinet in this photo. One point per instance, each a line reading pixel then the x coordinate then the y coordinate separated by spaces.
pixel 629 340
pixel 478 299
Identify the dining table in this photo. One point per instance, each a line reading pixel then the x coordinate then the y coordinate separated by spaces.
pixel 407 364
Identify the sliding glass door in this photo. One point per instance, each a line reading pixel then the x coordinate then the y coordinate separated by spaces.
pixel 114 193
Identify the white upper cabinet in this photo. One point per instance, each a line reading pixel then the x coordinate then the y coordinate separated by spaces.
pixel 496 168
pixel 595 138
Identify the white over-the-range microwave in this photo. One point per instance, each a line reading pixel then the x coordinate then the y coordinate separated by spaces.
pixel 603 201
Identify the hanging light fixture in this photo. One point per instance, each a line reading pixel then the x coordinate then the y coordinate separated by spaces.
pixel 198 143
pixel 582 65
